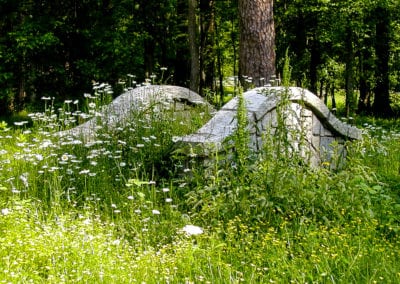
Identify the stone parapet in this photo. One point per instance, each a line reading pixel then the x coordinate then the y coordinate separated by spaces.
pixel 304 114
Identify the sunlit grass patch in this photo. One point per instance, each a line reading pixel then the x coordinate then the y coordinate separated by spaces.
pixel 58 248
pixel 119 209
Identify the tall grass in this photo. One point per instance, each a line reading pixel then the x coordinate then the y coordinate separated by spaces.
pixel 113 209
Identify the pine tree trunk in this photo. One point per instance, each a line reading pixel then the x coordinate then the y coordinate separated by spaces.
pixel 314 63
pixel 207 53
pixel 364 85
pixel 349 72
pixel 182 62
pixel 381 106
pixel 193 46
pixel 257 41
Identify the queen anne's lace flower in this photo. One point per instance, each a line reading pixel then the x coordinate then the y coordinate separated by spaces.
pixel 192 230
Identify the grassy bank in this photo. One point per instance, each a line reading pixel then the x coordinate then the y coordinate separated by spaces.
pixel 116 209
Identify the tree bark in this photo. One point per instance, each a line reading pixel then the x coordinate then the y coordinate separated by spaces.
pixel 314 63
pixel 257 42
pixel 364 85
pixel 219 64
pixel 381 106
pixel 193 46
pixel 349 72
pixel 207 56
pixel 182 61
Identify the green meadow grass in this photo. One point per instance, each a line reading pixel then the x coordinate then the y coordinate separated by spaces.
pixel 114 209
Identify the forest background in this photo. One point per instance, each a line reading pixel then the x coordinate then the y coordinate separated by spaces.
pixel 59 48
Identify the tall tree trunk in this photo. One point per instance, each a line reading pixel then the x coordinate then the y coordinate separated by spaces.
pixel 193 28
pixel 327 87
pixel 349 72
pixel 207 32
pixel 364 85
pixel 314 62
pixel 321 88
pixel 257 41
pixel 149 56
pixel 233 37
pixel 333 98
pixel 381 106
pixel 219 64
pixel 182 62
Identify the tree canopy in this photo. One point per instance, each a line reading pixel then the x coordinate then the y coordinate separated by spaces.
pixel 58 48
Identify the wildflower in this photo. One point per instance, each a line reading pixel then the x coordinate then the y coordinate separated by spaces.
pixel 20 123
pixel 5 211
pixel 84 172
pixel 168 200
pixel 165 189
pixel 192 230
pixel 130 197
pixel 249 79
pixel 155 212
pixel 45 144
pixel 64 157
pixel 92 105
pixel 46 98
pixel 24 179
pixel 163 68
pixel 325 164
pixel 52 169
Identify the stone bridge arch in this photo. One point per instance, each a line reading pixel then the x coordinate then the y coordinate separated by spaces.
pixel 304 112
pixel 119 111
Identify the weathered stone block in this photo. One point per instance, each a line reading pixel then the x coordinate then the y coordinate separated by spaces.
pixel 316 125
pixel 315 142
pixel 120 110
pixel 310 126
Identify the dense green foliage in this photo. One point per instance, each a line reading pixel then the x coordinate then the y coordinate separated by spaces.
pixel 351 45
pixel 115 209
pixel 56 49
